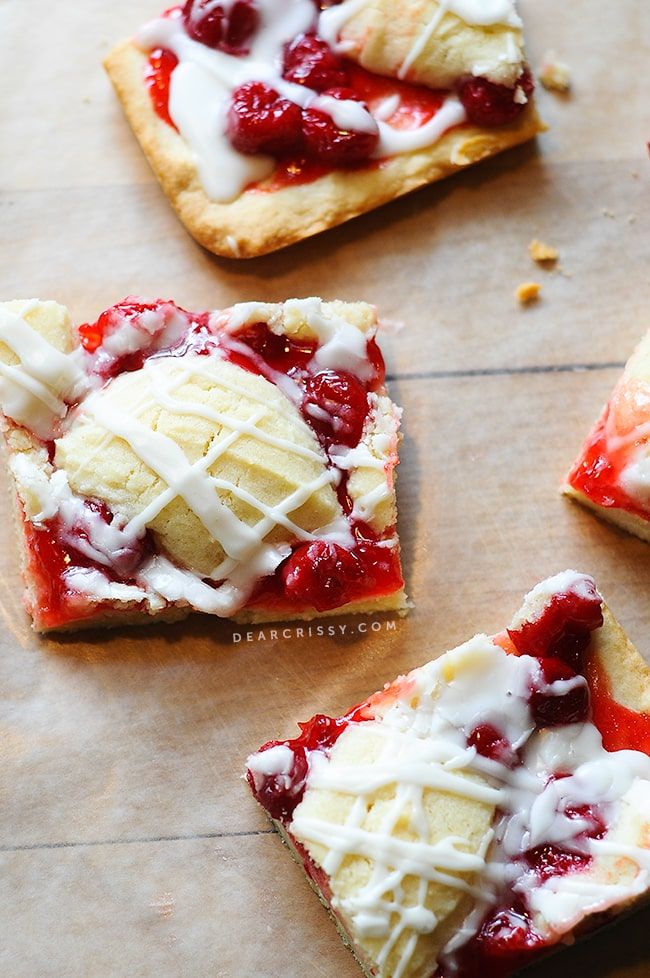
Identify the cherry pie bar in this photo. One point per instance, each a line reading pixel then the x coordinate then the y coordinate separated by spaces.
pixel 267 121
pixel 239 462
pixel 612 474
pixel 485 808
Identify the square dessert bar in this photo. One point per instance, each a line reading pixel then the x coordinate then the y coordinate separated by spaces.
pixel 611 475
pixel 267 122
pixel 239 462
pixel 486 807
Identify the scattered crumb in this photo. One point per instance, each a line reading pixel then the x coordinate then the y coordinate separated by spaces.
pixel 553 74
pixel 165 905
pixel 541 252
pixel 631 219
pixel 528 292
pixel 634 174
pixel 606 212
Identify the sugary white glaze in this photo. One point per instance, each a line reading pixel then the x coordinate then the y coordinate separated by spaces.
pixel 423 745
pixel 36 390
pixel 202 84
pixel 115 545
pixel 635 477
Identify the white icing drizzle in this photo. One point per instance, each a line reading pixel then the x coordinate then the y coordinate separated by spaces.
pixel 342 345
pixel 635 477
pixel 422 745
pixel 180 586
pixel 34 391
pixel 394 141
pixel 203 81
pixel 346 113
pixel 96 586
pixel 151 329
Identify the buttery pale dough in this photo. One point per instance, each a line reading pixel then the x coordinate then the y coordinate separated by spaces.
pixel 256 223
pixel 447 815
pixel 381 35
pixel 101 465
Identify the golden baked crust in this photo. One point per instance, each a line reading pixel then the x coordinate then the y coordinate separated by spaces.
pixel 256 223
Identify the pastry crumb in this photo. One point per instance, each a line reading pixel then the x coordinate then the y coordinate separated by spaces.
pixel 631 219
pixel 553 74
pixel 165 905
pixel 528 292
pixel 606 212
pixel 541 252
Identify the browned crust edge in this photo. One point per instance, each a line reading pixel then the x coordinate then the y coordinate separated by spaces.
pixel 629 522
pixel 258 223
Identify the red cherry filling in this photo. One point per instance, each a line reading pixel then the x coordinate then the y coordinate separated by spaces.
pixel 79 544
pixel 508 933
pixel 489 104
pixel 285 355
pixel 320 574
pixel 490 742
pixel 336 405
pixel 207 22
pixel 550 706
pixel 92 334
pixel 564 626
pixel 336 144
pixel 259 121
pixel 550 860
pixel 310 61
pixel 377 363
pixel 157 77
pixel 280 794
pixel 596 827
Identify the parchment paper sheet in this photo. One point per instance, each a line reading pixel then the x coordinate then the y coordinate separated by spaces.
pixel 129 844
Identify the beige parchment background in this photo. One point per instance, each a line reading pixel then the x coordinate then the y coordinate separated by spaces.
pixel 128 842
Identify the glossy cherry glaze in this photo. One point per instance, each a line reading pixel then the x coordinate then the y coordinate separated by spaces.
pixel 489 104
pixel 157 79
pixel 51 551
pixel 563 628
pixel 280 794
pixel 597 473
pixel 490 742
pixel 621 728
pixel 335 404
